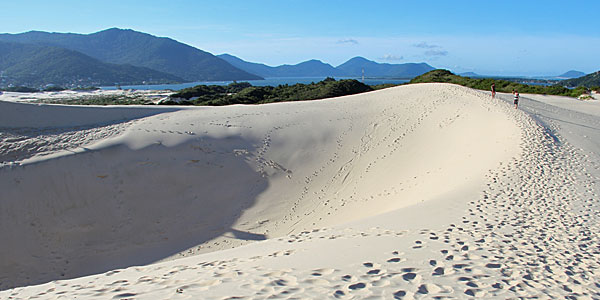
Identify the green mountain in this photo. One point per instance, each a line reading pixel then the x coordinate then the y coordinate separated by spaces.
pixel 254 68
pixel 356 65
pixel 37 65
pixel 589 80
pixel 571 74
pixel 125 46
pixel 310 68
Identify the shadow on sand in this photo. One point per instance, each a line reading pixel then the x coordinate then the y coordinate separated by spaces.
pixel 113 208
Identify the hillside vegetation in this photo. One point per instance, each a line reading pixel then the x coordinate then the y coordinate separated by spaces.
pixel 590 81
pixel 37 65
pixel 129 47
pixel 244 93
pixel 501 85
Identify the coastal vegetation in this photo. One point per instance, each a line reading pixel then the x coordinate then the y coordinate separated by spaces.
pixel 20 89
pixel 591 81
pixel 501 85
pixel 244 93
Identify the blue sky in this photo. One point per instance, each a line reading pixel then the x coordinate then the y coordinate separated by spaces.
pixel 487 37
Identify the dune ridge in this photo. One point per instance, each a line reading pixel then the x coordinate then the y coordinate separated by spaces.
pixel 416 191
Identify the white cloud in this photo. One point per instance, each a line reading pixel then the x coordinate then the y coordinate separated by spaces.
pixel 348 41
pixel 425 45
pixel 391 57
pixel 436 53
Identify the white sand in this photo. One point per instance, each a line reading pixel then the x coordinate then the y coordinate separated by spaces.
pixel 68 95
pixel 428 190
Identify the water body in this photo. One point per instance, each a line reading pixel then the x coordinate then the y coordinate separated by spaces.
pixel 265 82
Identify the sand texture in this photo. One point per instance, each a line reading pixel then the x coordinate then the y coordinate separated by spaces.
pixel 419 191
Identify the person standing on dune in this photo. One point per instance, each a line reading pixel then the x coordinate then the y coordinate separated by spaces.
pixel 516 102
pixel 493 90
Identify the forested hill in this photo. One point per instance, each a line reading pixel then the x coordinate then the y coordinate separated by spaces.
pixel 38 65
pixel 125 46
pixel 571 74
pixel 589 80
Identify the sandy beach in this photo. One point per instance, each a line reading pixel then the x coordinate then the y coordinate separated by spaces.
pixel 67 96
pixel 417 191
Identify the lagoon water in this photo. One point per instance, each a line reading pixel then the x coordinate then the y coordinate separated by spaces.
pixel 275 81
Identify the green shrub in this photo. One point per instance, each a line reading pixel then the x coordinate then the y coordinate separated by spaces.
pixel 486 83
pixel 54 88
pixel 21 89
pixel 244 93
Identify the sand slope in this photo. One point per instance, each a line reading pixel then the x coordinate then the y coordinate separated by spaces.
pixel 203 179
pixel 417 191
pixel 28 130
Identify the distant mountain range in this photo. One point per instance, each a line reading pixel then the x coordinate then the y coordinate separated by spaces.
pixel 128 47
pixel 566 75
pixel 356 65
pixel 124 56
pixel 310 68
pixel 315 68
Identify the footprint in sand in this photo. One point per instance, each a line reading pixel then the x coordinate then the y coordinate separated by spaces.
pixel 429 288
pixel 339 294
pixel 380 283
pixel 371 265
pixel 373 272
pixel 286 281
pixel 321 272
pixel 493 265
pixel 438 271
pixel 316 281
pixel 400 294
pixel 410 276
pixel 125 296
pixel 357 286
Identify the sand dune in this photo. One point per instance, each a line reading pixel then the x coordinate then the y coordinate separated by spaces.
pixel 416 191
pixel 28 130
